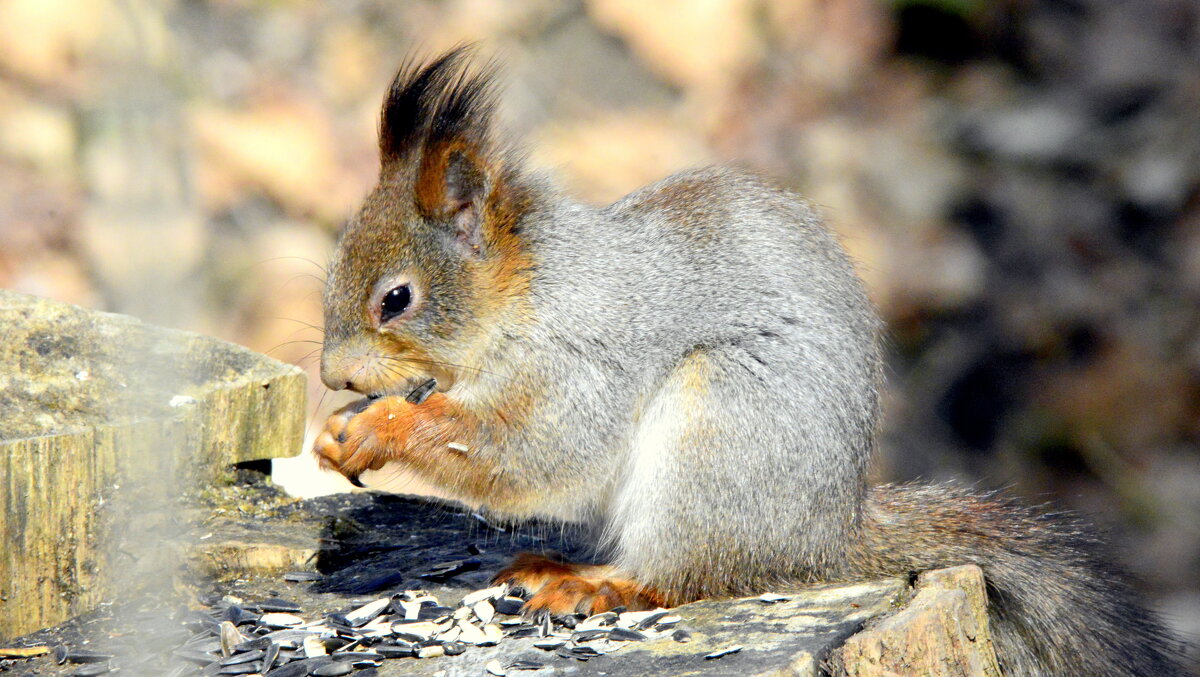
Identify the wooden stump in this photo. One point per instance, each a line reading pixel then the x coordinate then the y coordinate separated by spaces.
pixel 103 419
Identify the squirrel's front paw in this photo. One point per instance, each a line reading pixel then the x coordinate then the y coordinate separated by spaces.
pixel 351 443
pixel 561 588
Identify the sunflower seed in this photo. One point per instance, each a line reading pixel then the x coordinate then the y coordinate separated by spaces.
pixel 302 576
pixel 495 668
pixel 772 598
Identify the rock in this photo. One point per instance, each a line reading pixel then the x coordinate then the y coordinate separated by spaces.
pixel 373 545
pixel 102 418
pixel 942 631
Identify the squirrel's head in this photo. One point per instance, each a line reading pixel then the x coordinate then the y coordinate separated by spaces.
pixel 433 260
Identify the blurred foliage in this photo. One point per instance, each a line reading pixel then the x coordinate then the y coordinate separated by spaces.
pixel 1018 180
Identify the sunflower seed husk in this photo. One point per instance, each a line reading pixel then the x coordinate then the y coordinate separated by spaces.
pixel 244 657
pixel 276 604
pixel 333 670
pixel 395 651
pixel 454 648
pixel 493 634
pixel 431 651
pixel 447 570
pixel 91 670
pixel 588 635
pixel 494 667
pixel 276 619
pixel 495 592
pixel 302 576
pixel 367 612
pixel 313 646
pixel 772 598
pixel 510 606
pixel 722 652
pixel 230 637
pixel 270 655
pixel 484 611
pixel 82 656
pixel 626 635
pixel 549 644
pixel 295 669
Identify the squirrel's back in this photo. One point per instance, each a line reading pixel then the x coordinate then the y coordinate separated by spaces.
pixel 694 371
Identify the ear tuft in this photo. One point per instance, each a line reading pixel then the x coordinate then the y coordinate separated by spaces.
pixel 436 132
pixel 436 103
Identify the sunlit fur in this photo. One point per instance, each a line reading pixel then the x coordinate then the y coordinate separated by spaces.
pixel 692 372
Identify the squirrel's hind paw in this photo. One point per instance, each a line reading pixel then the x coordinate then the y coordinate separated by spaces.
pixel 561 588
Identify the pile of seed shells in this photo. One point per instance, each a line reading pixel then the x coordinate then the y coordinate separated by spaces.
pixel 269 638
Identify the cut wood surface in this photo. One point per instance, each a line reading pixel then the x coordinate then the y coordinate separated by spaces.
pixel 101 416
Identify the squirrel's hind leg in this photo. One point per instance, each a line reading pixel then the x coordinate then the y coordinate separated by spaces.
pixel 564 588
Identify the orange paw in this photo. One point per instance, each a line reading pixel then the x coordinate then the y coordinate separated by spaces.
pixel 561 588
pixel 351 443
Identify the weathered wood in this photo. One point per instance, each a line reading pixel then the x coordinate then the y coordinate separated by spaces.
pixel 943 632
pixel 101 416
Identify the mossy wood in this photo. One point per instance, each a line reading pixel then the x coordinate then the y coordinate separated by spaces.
pixel 91 402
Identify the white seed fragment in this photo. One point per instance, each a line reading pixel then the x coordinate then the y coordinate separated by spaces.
pixel 471 634
pixel 412 610
pixel 367 612
pixel 181 400
pixel 496 592
pixel 493 635
pixel 632 618
pixel 495 668
pixel 431 651
pixel 423 629
pixel 722 652
pixel 278 619
pixel 230 637
pixel 772 598
pixel 458 446
pixel 313 646
pixel 484 611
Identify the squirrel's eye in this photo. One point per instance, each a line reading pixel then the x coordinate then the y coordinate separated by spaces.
pixel 395 302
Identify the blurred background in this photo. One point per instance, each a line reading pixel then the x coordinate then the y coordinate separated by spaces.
pixel 1019 181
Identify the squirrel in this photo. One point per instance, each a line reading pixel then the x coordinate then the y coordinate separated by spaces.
pixel 693 373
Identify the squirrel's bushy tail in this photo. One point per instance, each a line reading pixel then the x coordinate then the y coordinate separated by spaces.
pixel 1057 606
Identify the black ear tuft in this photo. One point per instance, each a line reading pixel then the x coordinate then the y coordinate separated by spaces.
pixel 441 101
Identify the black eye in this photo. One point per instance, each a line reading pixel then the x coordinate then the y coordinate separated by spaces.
pixel 395 302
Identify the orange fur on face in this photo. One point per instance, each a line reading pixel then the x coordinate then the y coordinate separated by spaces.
pixel 562 588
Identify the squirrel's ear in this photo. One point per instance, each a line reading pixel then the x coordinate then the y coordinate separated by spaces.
pixel 437 121
pixel 453 184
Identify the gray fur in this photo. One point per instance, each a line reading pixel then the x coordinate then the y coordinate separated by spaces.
pixel 700 367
